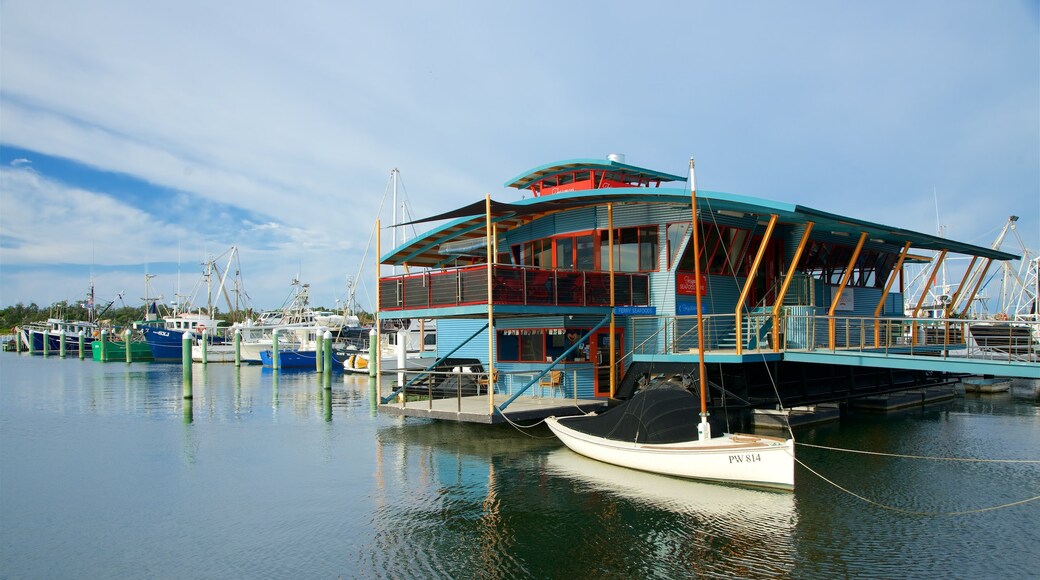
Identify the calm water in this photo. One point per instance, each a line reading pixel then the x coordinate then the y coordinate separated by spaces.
pixel 105 473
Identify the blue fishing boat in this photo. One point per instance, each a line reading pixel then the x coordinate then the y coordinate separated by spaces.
pixel 290 359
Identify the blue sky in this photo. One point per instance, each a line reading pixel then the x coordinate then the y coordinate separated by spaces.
pixel 141 138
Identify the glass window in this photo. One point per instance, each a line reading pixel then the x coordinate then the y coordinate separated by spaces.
pixel 647 249
pixel 532 347
pixel 676 234
pixel 565 253
pixel 585 251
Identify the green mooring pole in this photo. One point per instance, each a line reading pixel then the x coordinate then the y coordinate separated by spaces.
pixel 373 350
pixel 318 350
pixel 46 343
pixel 81 344
pixel 327 356
pixel 126 344
pixel 103 338
pixel 274 349
pixel 61 343
pixel 186 339
pixel 238 347
pixel 204 343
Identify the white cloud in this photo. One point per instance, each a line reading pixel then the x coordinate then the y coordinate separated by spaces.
pixel 299 113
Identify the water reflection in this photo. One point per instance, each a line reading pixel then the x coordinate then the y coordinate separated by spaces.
pixel 531 507
pixel 746 529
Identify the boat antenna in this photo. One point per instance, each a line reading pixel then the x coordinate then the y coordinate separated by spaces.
pixel 703 429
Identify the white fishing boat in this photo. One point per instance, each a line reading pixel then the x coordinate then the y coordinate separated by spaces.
pixel 986 385
pixel 654 430
pixel 418 341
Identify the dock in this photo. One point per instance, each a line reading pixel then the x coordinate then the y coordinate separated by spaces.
pixel 476 409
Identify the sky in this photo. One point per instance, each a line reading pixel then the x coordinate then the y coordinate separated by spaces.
pixel 141 139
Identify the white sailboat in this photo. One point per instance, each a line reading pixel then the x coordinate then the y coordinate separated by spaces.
pixel 670 448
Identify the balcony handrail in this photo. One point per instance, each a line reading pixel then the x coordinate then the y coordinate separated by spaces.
pixel 807 332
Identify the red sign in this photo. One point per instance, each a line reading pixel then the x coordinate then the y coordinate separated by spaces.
pixel 686 284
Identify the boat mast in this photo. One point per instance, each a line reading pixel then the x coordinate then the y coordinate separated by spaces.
pixel 393 175
pixel 704 429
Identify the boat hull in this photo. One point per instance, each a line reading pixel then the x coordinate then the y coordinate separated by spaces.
pixel 749 460
pixel 165 343
pixel 53 339
pixel 219 353
pixel 116 351
pixel 290 359
pixel 976 385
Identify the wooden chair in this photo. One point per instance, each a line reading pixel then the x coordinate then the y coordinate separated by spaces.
pixel 487 381
pixel 552 380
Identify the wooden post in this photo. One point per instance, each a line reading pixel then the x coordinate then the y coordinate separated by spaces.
pixel 490 303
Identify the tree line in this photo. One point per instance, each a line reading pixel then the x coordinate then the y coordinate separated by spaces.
pixel 21 314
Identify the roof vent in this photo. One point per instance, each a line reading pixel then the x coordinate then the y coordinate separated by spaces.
pixel 616 157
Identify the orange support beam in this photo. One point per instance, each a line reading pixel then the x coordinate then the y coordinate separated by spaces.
pixel 787 283
pixel 989 262
pixel 924 292
pixel 841 288
pixel 897 270
pixel 750 280
pixel 960 287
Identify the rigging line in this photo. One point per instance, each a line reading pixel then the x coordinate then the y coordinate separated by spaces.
pixel 915 512
pixel 747 311
pixel 966 459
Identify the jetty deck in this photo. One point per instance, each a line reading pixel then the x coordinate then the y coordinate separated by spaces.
pixel 477 408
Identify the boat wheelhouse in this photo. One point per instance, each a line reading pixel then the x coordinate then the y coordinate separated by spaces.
pixel 584 289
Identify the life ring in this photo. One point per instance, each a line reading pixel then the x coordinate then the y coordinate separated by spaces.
pixel 1001 316
pixel 201 328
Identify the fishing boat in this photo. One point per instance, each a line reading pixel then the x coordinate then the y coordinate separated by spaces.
pixel 298 324
pixel 289 359
pixel 164 336
pixel 417 339
pixel 35 336
pixel 115 350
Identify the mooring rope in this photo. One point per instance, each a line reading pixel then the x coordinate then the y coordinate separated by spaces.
pixel 521 428
pixel 915 512
pixel 900 455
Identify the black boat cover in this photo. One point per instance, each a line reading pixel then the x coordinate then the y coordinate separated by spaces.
pixel 664 413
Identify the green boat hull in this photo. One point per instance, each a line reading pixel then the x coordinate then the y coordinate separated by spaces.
pixel 116 351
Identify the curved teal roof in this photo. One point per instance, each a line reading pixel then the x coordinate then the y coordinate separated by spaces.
pixel 525 179
pixel 468 222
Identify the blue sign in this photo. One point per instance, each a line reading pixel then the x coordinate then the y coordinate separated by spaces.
pixel 686 308
pixel 635 310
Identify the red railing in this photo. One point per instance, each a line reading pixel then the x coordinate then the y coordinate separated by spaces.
pixel 511 285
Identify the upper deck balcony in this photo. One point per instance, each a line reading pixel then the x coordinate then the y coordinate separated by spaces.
pixel 511 285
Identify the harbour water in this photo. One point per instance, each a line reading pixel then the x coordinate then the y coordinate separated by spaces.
pixel 107 472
